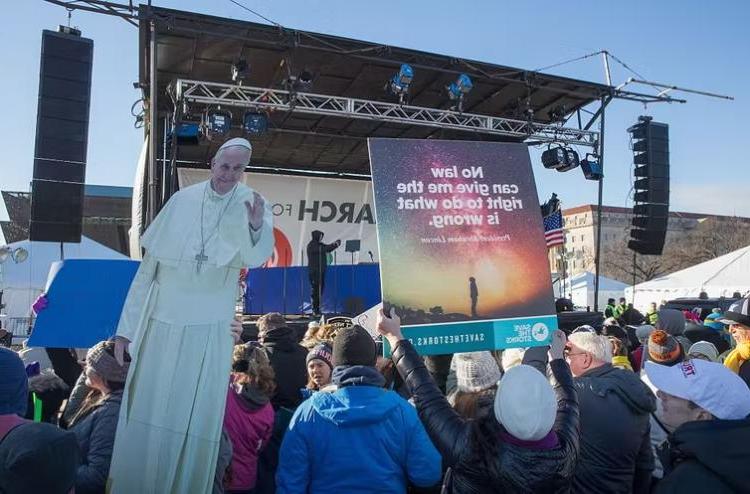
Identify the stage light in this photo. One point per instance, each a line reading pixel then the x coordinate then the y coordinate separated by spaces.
pixel 572 160
pixel 216 124
pixel 255 123
pixel 458 90
pixel 399 84
pixel 591 168
pixel 187 132
pixel 301 82
pixel 19 254
pixel 240 71
pixel 460 87
pixel 555 157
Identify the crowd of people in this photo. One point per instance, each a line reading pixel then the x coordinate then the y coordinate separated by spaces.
pixel 659 406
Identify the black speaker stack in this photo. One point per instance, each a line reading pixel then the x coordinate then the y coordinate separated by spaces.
pixel 651 210
pixel 61 136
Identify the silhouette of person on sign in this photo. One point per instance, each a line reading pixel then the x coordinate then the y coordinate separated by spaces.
pixel 474 294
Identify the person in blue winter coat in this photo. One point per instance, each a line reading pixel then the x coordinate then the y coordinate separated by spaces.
pixel 361 438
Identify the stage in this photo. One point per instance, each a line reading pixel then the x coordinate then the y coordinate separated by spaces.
pixel 349 289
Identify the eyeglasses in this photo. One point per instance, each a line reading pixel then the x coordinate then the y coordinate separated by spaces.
pixel 568 353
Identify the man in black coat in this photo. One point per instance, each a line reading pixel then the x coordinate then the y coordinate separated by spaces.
pixel 615 406
pixel 316 266
pixel 287 357
pixel 705 407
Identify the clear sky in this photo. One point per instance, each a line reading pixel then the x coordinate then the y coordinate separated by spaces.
pixel 695 44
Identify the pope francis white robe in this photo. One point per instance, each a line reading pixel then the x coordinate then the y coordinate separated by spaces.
pixel 177 316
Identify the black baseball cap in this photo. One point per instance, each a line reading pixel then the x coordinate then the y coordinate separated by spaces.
pixel 738 313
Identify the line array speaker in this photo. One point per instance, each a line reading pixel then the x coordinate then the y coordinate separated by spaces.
pixel 61 136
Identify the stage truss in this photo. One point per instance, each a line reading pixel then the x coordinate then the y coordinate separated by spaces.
pixel 193 96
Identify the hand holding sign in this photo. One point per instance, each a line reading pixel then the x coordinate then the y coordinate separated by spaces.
pixel 390 326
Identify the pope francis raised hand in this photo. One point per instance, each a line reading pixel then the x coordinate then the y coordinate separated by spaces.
pixel 176 325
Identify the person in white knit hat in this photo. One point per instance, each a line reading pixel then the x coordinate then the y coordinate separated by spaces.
pixel 477 375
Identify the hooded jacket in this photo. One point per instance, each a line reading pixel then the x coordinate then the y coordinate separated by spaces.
pixel 362 438
pixel 248 420
pixel 673 322
pixel 316 252
pixel 482 456
pixel 616 454
pixel 707 456
pixel 288 359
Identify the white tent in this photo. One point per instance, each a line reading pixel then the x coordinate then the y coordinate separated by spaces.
pixel 581 289
pixel 22 282
pixel 719 277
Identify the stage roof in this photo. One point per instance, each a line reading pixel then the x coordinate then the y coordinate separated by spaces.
pixel 201 47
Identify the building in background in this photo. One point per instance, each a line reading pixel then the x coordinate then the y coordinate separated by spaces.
pixel 691 238
pixel 106 215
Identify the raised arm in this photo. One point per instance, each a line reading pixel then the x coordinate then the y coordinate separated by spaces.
pixel 447 430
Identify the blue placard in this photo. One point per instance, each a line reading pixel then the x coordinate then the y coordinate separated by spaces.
pixel 85 299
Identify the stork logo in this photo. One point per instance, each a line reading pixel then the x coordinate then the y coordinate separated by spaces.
pixel 540 331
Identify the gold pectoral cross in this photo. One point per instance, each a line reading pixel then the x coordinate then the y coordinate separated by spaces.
pixel 201 257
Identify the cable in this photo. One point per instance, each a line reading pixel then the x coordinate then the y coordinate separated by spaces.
pixel 570 61
pixel 255 13
pixel 627 67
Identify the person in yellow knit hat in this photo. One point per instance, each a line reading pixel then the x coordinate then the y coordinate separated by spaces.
pixel 738 319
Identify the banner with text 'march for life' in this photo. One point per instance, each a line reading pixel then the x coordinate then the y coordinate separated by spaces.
pixel 340 208
pixel 462 252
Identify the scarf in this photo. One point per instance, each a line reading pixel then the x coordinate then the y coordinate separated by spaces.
pixel 738 356
pixel 550 441
pixel 622 362
pixel 357 375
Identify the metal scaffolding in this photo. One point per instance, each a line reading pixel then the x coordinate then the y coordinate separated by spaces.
pixel 198 95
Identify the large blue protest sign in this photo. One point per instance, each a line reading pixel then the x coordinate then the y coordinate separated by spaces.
pixel 85 299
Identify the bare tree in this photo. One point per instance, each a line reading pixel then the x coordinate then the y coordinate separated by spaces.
pixel 711 238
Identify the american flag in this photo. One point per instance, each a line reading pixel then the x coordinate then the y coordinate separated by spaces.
pixel 553 231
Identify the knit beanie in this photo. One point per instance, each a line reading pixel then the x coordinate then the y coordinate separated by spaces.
pixel 672 321
pixel 38 458
pixel 14 385
pixel 476 371
pixel 525 403
pixel 354 346
pixel 105 364
pixel 712 320
pixel 664 348
pixel 705 348
pixel 321 351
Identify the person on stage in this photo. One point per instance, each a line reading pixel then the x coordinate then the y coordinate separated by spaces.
pixel 176 326
pixel 316 266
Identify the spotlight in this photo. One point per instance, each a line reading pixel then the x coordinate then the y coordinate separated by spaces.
pixel 555 157
pixel 216 124
pixel 399 84
pixel 572 161
pixel 18 254
pixel 255 123
pixel 240 71
pixel 301 82
pixel 591 168
pixel 460 87
pixel 187 132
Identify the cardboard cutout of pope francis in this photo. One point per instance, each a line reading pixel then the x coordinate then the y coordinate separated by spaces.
pixel 176 325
